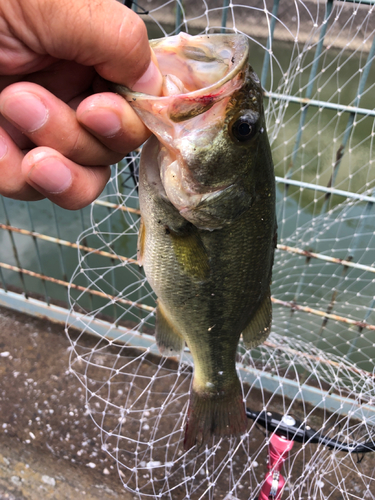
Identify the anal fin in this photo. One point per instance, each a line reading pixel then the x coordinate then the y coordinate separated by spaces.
pixel 168 339
pixel 259 326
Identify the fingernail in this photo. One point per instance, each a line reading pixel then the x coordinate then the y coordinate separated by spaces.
pixel 26 111
pixel 101 121
pixel 51 175
pixel 3 147
pixel 150 82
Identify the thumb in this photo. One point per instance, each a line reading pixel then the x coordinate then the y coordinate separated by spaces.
pixel 100 33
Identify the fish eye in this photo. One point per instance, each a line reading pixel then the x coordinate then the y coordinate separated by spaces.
pixel 244 128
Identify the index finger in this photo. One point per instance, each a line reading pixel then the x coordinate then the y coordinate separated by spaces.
pixel 100 33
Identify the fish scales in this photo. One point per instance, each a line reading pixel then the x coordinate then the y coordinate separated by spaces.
pixel 207 241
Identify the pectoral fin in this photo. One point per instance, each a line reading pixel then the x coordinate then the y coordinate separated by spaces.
pixel 191 253
pixel 168 339
pixel 259 326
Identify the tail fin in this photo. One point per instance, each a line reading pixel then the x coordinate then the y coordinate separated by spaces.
pixel 214 414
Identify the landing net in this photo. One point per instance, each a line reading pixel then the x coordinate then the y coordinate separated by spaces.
pixel 318 363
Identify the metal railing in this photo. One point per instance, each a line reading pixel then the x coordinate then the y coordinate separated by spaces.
pixel 44 288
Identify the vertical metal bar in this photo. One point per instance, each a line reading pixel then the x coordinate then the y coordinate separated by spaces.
pixel 3 280
pixel 266 59
pixel 83 225
pixel 349 125
pixel 14 247
pixel 339 156
pixel 178 17
pixel 36 245
pixel 349 257
pixel 62 264
pixel 224 16
pixel 335 292
pixel 309 89
pixel 112 273
pixel 353 343
pixel 310 86
pixel 84 241
pixel 133 167
pixel 298 290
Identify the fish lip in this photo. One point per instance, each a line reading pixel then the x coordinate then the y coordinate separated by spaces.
pixel 132 96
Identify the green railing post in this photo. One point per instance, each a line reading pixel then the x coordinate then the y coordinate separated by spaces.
pixel 61 255
pixel 178 17
pixel 224 16
pixel 4 283
pixel 36 245
pixel 266 59
pixel 369 207
pixel 309 89
pixel 14 247
pixel 310 86
pixel 349 125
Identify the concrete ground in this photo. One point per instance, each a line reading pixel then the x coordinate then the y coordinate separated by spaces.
pixel 49 448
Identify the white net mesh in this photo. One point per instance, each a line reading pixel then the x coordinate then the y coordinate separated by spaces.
pixel 318 361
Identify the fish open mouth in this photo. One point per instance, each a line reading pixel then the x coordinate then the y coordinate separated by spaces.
pixel 204 67
pixel 200 75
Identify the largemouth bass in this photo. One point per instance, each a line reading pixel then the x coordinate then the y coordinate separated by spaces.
pixel 208 230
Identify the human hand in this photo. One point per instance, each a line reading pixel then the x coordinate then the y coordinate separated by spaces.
pixel 60 128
